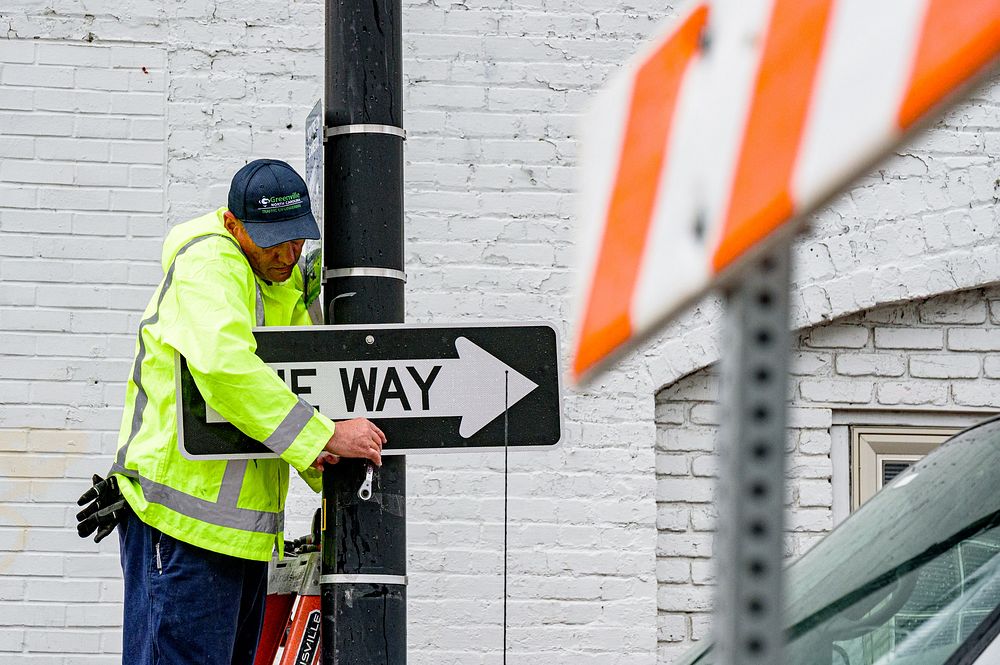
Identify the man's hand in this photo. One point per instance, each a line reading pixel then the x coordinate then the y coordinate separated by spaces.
pixel 325 459
pixel 357 438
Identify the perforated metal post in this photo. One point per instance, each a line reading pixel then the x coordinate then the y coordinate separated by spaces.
pixel 748 621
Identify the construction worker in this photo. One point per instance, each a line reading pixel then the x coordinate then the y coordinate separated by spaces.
pixel 196 535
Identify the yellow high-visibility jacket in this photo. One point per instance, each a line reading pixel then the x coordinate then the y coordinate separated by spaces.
pixel 205 308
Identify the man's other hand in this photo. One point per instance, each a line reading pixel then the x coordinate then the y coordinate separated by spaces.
pixel 358 437
pixel 325 459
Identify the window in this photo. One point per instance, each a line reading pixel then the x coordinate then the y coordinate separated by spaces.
pixel 913 578
pixel 880 453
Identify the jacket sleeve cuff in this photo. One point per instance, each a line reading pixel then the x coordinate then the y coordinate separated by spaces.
pixel 310 438
pixel 313 478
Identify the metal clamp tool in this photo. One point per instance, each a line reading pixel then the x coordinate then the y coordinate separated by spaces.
pixel 365 493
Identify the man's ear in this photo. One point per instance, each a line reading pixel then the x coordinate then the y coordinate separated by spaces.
pixel 231 223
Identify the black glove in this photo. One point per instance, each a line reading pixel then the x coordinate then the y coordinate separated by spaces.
pixel 106 510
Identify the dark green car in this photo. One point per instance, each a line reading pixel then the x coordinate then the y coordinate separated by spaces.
pixel 913 577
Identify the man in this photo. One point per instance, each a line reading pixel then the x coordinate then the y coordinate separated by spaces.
pixel 196 534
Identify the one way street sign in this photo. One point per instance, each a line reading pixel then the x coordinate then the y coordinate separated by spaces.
pixel 428 388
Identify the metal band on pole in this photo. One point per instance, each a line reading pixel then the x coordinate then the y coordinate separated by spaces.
pixel 749 627
pixel 366 272
pixel 365 128
pixel 400 580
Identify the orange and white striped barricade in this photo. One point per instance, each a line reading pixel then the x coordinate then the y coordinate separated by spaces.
pixel 701 160
pixel 692 157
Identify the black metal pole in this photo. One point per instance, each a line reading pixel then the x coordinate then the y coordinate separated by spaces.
pixel 363 581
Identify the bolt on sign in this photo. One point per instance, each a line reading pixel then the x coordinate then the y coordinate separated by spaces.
pixel 735 122
pixel 429 388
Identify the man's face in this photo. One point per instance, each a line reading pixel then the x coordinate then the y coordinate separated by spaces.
pixel 274 264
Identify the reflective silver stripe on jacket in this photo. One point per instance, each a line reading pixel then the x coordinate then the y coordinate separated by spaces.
pixel 290 428
pixel 232 482
pixel 260 303
pixel 210 512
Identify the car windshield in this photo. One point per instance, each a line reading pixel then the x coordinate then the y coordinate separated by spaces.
pixel 910 576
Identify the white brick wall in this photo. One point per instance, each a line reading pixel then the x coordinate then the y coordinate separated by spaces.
pixel 489 174
pixel 493 91
pixel 880 360
pixel 81 211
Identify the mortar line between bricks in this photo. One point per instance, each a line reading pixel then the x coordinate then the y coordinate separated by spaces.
pixel 96 188
pixel 99 43
pixel 916 408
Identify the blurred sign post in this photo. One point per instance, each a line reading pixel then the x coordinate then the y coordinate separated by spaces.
pixel 701 161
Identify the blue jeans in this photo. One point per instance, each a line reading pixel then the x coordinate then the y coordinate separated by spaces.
pixel 186 605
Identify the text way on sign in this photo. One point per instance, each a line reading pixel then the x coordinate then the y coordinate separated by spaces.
pixel 476 386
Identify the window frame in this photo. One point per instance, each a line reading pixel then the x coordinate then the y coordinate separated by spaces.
pixel 841 421
pixel 871 445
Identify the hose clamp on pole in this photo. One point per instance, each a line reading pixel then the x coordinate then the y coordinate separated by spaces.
pixel 341 578
pixel 365 272
pixel 364 128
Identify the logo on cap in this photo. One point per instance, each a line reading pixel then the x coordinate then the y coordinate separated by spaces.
pixel 280 203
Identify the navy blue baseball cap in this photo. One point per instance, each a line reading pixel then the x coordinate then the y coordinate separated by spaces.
pixel 272 201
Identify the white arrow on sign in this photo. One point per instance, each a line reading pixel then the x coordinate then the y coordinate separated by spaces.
pixel 476 386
